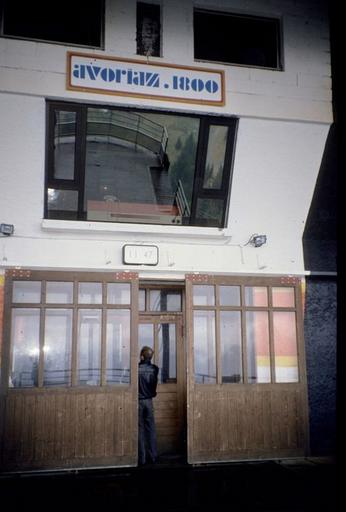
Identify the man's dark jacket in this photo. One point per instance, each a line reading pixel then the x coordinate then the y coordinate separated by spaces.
pixel 147 379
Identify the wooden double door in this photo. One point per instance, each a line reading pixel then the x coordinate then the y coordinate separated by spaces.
pixel 164 333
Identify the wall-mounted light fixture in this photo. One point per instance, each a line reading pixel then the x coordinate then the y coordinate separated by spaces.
pixel 257 240
pixel 7 229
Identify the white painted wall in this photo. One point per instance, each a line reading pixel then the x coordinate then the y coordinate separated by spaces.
pixel 284 122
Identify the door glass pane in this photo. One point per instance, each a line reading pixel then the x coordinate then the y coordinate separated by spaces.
pixel 283 297
pixel 27 291
pixel 118 293
pixel 256 296
pixel 59 293
pixel 89 347
pixel 203 295
pixel 167 353
pixel 141 300
pixel 231 354
pixel 139 166
pixel 145 337
pixel 215 157
pixel 165 300
pixel 285 346
pixel 64 144
pixel 118 346
pixel 204 347
pixel 257 345
pixel 25 342
pixel 57 347
pixel 229 295
pixel 90 293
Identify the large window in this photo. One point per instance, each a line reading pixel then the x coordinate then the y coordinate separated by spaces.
pixel 245 334
pixel 76 23
pixel 116 165
pixel 237 39
pixel 70 332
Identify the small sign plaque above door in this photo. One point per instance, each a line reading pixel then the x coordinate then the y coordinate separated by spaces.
pixel 140 254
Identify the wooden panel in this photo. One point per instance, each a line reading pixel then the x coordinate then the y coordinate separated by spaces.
pixel 58 429
pixel 247 423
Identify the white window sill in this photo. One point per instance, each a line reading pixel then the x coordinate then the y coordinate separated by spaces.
pixel 72 226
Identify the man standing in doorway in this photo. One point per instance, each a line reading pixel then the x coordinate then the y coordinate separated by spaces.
pixel 147 383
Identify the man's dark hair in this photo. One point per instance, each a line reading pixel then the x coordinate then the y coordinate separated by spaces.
pixel 147 353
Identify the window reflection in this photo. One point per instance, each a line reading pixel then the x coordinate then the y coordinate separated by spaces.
pixel 118 347
pixel 231 353
pixel 145 336
pixel 257 346
pixel 59 292
pixel 203 295
pixel 165 300
pixel 64 144
pixel 25 347
pixel 89 347
pixel 57 347
pixel 27 291
pixel 204 347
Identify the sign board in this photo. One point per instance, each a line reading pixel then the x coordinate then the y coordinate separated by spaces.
pixel 108 75
pixel 140 254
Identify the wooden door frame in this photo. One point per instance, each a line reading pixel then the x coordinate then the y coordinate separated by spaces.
pixel 177 319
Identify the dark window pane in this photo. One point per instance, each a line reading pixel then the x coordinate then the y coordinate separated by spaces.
pixel 139 167
pixel 64 144
pixel 141 300
pixel 76 22
pixel 251 41
pixel 148 29
pixel 167 353
pixel 210 212
pixel 215 160
pixel 60 201
pixel 165 300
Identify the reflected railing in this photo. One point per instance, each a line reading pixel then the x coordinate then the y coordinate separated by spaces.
pixel 29 379
pixel 113 124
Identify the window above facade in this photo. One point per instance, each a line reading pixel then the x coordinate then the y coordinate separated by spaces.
pixel 116 165
pixel 76 23
pixel 237 39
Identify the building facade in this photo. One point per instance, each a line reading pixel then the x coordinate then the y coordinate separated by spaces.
pixel 159 160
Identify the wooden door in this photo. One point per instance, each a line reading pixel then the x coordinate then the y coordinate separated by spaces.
pixel 164 334
pixel 247 392
pixel 69 371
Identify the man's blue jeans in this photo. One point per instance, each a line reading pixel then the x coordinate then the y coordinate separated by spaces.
pixel 147 448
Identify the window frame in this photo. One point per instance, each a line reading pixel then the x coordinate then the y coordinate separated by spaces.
pixel 279 37
pixel 243 282
pixel 101 46
pixel 198 191
pixel 75 306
